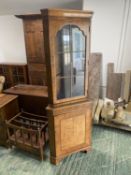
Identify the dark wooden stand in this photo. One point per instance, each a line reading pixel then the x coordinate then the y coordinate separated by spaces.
pixel 32 98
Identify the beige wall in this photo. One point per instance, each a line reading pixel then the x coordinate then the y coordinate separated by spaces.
pixel 111 26
pixel 12 46
pixel 106 29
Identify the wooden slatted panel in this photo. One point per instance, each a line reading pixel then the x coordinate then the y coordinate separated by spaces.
pixel 127 86
pixel 114 86
pixel 95 77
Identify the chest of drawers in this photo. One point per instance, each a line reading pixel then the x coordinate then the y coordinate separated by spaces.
pixel 8 109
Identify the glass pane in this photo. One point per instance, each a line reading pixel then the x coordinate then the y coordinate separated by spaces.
pixel 64 58
pixel 14 70
pixel 78 85
pixel 63 88
pixel 20 70
pixel 70 62
pixel 64 64
pixel 21 79
pixel 78 62
pixel 78 40
pixel 1 70
pixel 15 79
pixel 63 40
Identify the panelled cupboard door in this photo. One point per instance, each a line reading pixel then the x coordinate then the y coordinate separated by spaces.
pixel 69 129
pixel 34 41
pixel 38 77
pixel 37 74
pixel 72 131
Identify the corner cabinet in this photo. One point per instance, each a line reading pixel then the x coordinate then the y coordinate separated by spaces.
pixel 67 50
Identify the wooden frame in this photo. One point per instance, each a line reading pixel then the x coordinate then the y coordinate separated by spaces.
pixel 54 19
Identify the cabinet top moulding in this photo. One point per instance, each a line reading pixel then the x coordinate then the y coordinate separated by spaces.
pixel 28 16
pixel 60 12
pixel 68 13
pixel 13 64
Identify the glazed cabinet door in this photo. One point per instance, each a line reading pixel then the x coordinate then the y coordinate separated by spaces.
pixel 69 46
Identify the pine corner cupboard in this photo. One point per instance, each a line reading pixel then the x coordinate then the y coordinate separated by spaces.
pixel 67 50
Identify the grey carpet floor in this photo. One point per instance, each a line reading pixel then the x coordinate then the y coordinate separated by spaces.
pixel 111 155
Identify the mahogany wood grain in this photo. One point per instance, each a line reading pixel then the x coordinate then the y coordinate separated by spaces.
pixel 32 98
pixel 34 36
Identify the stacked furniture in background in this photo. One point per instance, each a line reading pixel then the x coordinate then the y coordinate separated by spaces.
pixel 118 101
pixel 34 43
pixel 118 84
pixel 32 98
pixel 14 73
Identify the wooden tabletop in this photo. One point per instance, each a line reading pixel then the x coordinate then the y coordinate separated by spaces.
pixel 29 90
pixel 6 98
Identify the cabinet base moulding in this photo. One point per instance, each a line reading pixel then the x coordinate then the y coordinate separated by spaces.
pixel 56 160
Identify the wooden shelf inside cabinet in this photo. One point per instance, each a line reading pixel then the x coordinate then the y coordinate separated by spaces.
pixel 15 73
pixel 67 51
